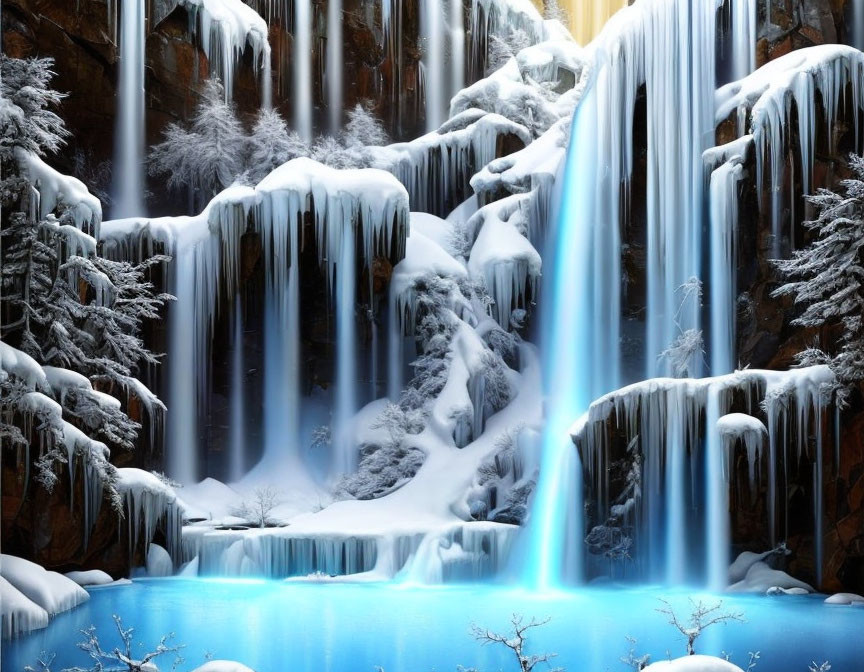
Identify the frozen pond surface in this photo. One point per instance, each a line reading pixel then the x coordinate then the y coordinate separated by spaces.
pixel 307 627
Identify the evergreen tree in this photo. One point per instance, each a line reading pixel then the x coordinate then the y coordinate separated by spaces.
pixel 209 155
pixel 825 279
pixel 271 144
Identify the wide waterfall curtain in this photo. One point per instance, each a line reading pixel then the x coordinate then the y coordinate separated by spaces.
pixel 587 17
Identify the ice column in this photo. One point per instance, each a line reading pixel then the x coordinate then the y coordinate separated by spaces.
pixel 457 47
pixel 129 140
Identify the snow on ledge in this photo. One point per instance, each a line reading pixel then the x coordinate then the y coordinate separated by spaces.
pixel 695 663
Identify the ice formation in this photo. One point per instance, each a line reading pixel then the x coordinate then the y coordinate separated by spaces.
pixel 763 105
pixel 226 26
pixel 676 426
pixel 19 614
pixel 150 504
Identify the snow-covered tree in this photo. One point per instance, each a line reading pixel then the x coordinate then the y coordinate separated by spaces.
pixel 826 279
pixel 210 154
pixel 702 616
pixel 271 144
pixel 553 11
pixel 515 641
pixel 504 47
pixel 331 152
pixel 364 129
pixel 257 509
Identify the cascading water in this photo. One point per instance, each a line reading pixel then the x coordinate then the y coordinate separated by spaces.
pixel 344 458
pixel 183 420
pixel 334 64
pixel 303 69
pixel 856 31
pixel 237 448
pixel 129 136
pixel 457 46
pixel 433 64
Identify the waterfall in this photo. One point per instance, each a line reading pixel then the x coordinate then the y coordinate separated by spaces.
pixel 129 137
pixel 717 507
pixel 182 439
pixel 303 68
pixel 334 64
pixel 346 370
pixel 237 447
pixel 744 35
pixel 857 30
pixel 457 47
pixel 724 231
pixel 433 64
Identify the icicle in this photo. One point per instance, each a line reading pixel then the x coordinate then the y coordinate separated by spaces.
pixel 238 391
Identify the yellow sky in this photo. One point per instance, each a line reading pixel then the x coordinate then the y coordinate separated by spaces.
pixel 587 17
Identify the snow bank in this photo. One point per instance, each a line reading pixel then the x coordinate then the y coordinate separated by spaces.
pixel 91 577
pixel 51 591
pixel 18 613
pixel 695 663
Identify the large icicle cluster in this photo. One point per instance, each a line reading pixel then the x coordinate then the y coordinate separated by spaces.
pixel 226 26
pixel 671 432
pixel 368 205
pixel 150 503
pixel 793 86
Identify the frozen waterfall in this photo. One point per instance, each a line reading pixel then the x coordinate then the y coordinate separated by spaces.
pixel 302 89
pixel 334 64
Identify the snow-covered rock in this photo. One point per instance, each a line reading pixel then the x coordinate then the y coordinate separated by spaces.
pixel 20 615
pixel 847 599
pixel 158 562
pixel 30 595
pixel 222 666
pixel 695 663
pixel 91 577
pixel 761 578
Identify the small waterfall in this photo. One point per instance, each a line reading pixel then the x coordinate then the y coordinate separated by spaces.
pixel 724 232
pixel 717 507
pixel 129 137
pixel 395 348
pixel 334 64
pixel 744 34
pixel 182 439
pixel 346 340
pixel 433 64
pixel 303 68
pixel 237 448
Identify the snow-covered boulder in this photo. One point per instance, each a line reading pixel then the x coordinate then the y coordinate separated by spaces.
pixel 158 562
pixel 846 599
pixel 91 577
pixel 223 666
pixel 761 578
pixel 19 614
pixel 696 663
pixel 50 590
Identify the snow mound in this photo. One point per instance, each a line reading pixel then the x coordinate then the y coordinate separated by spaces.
pixel 16 363
pixel 51 591
pixel 761 578
pixel 92 577
pixel 695 663
pixel 158 562
pixel 223 666
pixel 848 599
